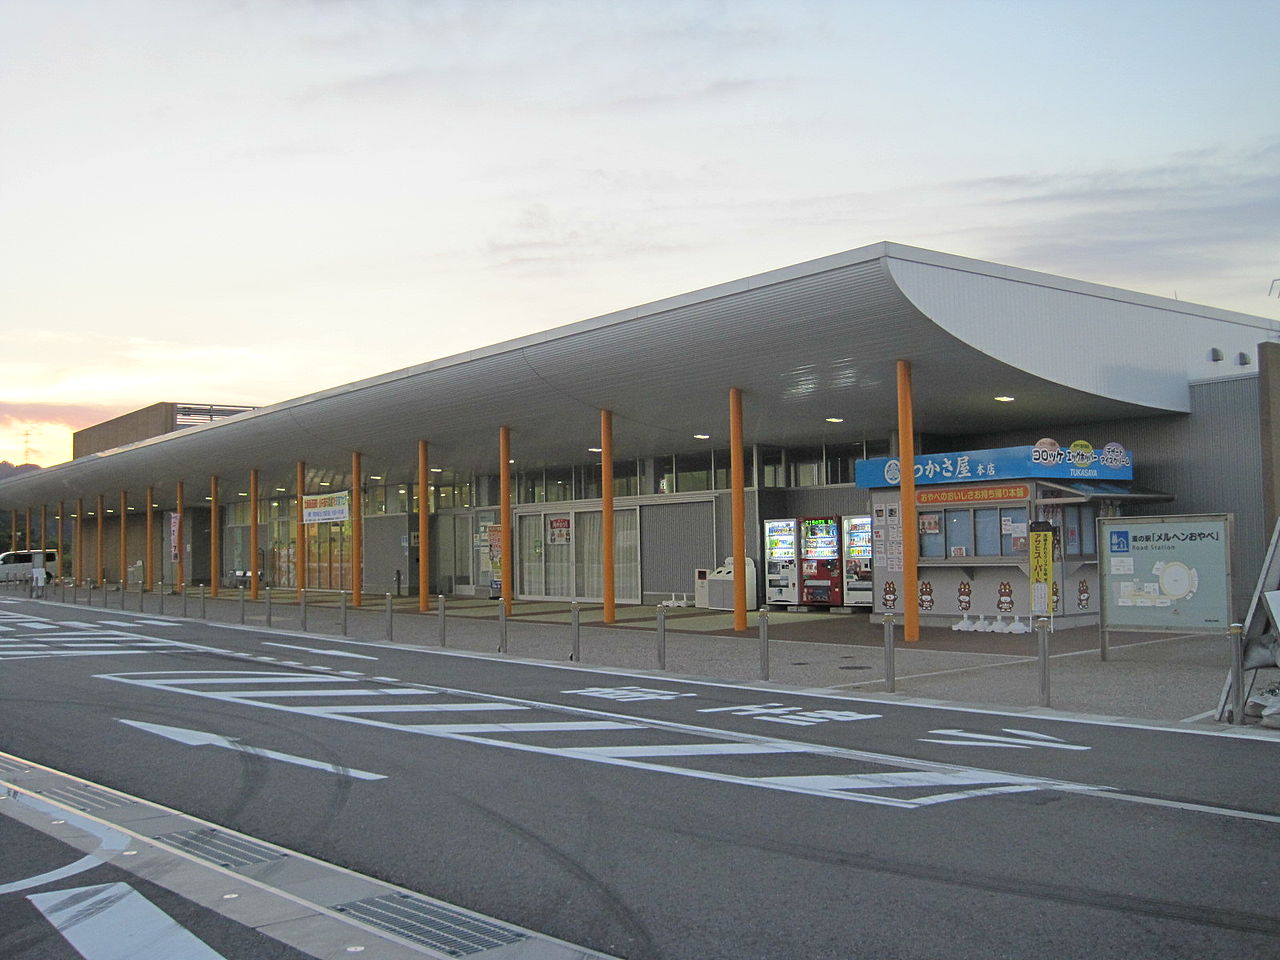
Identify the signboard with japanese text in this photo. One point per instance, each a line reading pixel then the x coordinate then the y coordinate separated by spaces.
pixel 326 507
pixel 951 495
pixel 1040 559
pixel 1165 573
pixel 558 531
pixel 1045 459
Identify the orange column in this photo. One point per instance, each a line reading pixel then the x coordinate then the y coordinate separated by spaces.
pixel 357 531
pixel 424 526
pixel 149 550
pixel 907 507
pixel 180 508
pixel 738 502
pixel 215 539
pixel 253 534
pixel 98 532
pixel 300 537
pixel 124 537
pixel 504 500
pixel 607 560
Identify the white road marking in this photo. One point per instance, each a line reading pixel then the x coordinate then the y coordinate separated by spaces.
pixel 198 738
pixel 1022 740
pixel 327 653
pixel 109 841
pixel 727 748
pixel 112 921
pixel 277 694
pixel 417 707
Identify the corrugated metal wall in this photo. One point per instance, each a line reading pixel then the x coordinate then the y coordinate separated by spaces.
pixel 1210 460
pixel 675 540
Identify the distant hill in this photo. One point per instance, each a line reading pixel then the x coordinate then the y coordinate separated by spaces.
pixel 8 469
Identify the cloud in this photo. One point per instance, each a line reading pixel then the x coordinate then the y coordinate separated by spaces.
pixel 73 415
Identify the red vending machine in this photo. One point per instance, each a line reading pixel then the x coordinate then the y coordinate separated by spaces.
pixel 821 576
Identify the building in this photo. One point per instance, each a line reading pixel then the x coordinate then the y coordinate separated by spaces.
pixel 631 414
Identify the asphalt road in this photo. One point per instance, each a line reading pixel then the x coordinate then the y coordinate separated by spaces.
pixel 648 817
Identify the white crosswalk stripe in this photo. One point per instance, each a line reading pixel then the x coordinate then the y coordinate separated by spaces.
pixel 542 728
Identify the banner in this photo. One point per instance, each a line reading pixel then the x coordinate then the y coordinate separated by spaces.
pixel 1040 557
pixel 327 507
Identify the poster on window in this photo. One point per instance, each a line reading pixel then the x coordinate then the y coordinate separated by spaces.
pixel 558 531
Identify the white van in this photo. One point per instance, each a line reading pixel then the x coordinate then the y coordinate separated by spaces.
pixel 17 564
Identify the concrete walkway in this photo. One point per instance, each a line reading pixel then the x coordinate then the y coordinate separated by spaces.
pixel 1147 677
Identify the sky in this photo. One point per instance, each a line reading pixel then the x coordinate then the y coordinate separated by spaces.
pixel 230 201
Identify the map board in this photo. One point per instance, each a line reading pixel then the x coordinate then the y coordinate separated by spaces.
pixel 1165 573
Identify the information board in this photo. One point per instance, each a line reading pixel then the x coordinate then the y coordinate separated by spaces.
pixel 1165 573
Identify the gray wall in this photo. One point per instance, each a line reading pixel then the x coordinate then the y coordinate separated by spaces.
pixel 675 540
pixel 1209 459
pixel 384 554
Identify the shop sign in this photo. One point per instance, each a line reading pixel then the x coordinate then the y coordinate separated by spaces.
pixel 327 507
pixel 1079 460
pixel 558 531
pixel 1014 491
pixel 1040 557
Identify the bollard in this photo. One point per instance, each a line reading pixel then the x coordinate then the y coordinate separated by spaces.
pixel 184 601
pixel 575 631
pixel 1042 632
pixel 141 599
pixel 268 591
pixel 390 638
pixel 160 598
pixel 661 637
pixel 440 616
pixel 302 607
pixel 75 592
pixel 1237 673
pixel 63 585
pixel 342 602
pixel 764 644
pixel 890 668
pixel 502 625
pixel 242 604
pixel 204 611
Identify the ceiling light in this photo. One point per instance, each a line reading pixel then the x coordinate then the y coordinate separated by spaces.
pixel 702 436
pixel 280 490
pixel 835 419
pixel 437 469
pixel 510 461
pixel 373 477
pixel 241 494
pixel 324 483
pixel 208 498
pixel 1005 399
pixel 594 450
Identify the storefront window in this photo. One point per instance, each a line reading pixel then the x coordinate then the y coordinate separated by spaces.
pixel 560 484
pixel 959 533
pixel 722 478
pixel 693 471
pixel 664 474
pixel 771 467
pixel 587 481
pixel 626 479
pixel 1088 531
pixel 986 527
pixel 375 500
pixel 806 466
pixel 932 539
pixel 530 487
pixel 1013 531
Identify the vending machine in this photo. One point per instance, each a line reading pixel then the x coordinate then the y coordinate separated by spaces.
pixel 821 580
pixel 782 582
pixel 857 561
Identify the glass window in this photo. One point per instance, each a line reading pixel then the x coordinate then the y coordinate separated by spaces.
pixel 1071 531
pixel 840 459
pixel 959 533
pixel 664 473
pixel 722 479
pixel 375 500
pixel 401 503
pixel 626 478
pixel 530 487
pixel 986 525
pixel 587 481
pixel 560 484
pixel 806 466
pixel 693 471
pixel 1088 532
pixel 771 473
pixel 932 540
pixel 1014 520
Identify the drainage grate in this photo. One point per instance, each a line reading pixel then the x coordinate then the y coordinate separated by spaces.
pixel 451 931
pixel 220 848
pixel 84 797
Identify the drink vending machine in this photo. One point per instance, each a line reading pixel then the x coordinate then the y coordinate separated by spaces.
pixel 857 561
pixel 821 580
pixel 781 575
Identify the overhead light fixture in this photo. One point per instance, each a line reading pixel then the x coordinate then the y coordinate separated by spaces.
pixel 835 419
pixel 241 494
pixel 208 498
pixel 324 483
pixel 374 477
pixel 594 450
pixel 437 469
pixel 280 490
pixel 1005 399
pixel 510 461
pixel 702 436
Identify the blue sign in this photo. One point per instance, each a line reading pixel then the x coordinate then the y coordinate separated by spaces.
pixel 1119 541
pixel 1044 460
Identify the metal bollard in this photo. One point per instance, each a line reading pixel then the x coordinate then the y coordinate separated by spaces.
pixel 890 668
pixel 342 602
pixel 184 600
pixel 1237 673
pixel 1042 633
pixel 575 631
pixel 268 590
pixel 764 644
pixel 141 600
pixel 75 590
pixel 160 597
pixel 502 625
pixel 661 637
pixel 204 612
pixel 302 608
pixel 390 638
pixel 242 604
pixel 440 617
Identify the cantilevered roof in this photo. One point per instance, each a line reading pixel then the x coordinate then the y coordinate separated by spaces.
pixel 804 343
